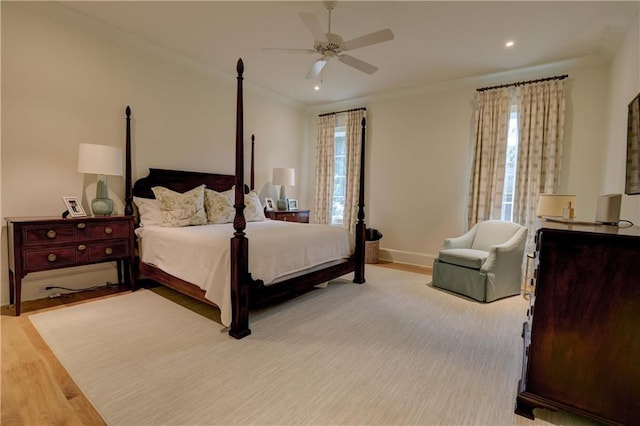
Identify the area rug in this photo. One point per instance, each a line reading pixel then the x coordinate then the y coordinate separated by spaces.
pixel 392 351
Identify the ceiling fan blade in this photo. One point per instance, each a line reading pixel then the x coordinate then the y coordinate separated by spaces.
pixel 313 25
pixel 357 64
pixel 369 39
pixel 287 50
pixel 316 68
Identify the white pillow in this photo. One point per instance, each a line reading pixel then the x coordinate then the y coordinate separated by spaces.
pixel 149 211
pixel 181 209
pixel 253 210
pixel 218 206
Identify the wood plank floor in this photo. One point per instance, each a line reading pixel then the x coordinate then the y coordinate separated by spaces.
pixel 36 389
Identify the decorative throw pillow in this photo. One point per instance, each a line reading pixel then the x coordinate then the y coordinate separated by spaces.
pixel 149 212
pixel 253 210
pixel 181 209
pixel 218 206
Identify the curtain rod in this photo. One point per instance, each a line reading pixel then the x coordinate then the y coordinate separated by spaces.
pixel 340 112
pixel 520 83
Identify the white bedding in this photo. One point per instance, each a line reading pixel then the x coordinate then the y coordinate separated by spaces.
pixel 200 254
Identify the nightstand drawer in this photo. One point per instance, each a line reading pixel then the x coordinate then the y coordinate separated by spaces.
pixel 105 251
pixel 107 230
pixel 39 260
pixel 301 216
pixel 57 233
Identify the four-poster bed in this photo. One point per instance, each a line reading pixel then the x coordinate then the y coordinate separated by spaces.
pixel 246 291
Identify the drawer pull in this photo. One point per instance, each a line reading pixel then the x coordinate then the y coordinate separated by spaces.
pixel 52 257
pixel 108 230
pixel 51 234
pixel 82 225
pixel 82 247
pixel 108 251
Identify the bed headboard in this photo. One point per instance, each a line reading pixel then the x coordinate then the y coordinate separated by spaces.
pixel 181 181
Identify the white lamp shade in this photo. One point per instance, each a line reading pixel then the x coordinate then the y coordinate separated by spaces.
pixel 284 176
pixel 100 159
pixel 552 204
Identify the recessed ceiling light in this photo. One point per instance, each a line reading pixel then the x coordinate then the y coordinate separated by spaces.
pixel 510 43
pixel 316 87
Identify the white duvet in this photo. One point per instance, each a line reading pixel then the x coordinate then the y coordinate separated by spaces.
pixel 200 254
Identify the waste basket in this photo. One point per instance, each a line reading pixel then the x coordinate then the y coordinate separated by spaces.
pixel 371 251
pixel 372 246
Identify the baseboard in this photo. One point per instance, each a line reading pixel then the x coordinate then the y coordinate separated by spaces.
pixel 407 257
pixel 77 277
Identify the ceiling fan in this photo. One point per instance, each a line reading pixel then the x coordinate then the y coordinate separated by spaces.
pixel 330 45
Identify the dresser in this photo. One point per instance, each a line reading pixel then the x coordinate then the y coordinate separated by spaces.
pixel 582 334
pixel 301 216
pixel 45 243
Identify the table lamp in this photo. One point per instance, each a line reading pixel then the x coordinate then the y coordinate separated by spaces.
pixel 101 160
pixel 283 177
pixel 552 205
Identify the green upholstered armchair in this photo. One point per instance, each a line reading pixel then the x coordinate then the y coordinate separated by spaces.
pixel 485 263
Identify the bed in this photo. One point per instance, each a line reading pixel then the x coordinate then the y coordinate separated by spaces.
pixel 243 280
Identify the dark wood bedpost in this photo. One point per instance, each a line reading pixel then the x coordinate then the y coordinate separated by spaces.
pixel 128 196
pixel 239 243
pixel 361 226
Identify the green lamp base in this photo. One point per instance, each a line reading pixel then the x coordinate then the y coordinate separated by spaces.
pixel 102 206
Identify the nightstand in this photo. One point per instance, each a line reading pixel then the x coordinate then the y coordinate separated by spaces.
pixel 45 243
pixel 301 216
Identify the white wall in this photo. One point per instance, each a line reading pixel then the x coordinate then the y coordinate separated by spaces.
pixel 624 85
pixel 63 85
pixel 419 151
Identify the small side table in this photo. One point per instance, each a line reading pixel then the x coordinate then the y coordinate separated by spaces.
pixel 45 243
pixel 301 216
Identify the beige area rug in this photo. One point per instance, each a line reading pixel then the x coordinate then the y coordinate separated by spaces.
pixel 391 351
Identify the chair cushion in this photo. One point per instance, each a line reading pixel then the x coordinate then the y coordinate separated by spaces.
pixel 468 258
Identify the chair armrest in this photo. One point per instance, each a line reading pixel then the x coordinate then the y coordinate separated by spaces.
pixel 463 241
pixel 511 251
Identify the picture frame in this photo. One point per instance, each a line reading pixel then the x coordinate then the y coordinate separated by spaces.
pixel 269 204
pixel 632 178
pixel 292 204
pixel 74 206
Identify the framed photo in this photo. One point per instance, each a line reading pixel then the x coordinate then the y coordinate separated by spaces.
pixel 292 204
pixel 632 182
pixel 269 204
pixel 74 207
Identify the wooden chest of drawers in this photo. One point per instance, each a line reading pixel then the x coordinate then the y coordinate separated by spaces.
pixel 289 215
pixel 581 340
pixel 41 244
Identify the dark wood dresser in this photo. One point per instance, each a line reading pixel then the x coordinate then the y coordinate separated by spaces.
pixel 289 215
pixel 45 243
pixel 582 337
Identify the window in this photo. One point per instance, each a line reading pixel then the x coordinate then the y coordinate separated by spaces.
pixel 511 165
pixel 339 176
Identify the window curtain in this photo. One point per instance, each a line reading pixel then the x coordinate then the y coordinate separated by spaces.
pixel 492 109
pixel 324 168
pixel 354 143
pixel 541 108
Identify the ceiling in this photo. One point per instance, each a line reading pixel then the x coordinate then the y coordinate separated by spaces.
pixel 434 41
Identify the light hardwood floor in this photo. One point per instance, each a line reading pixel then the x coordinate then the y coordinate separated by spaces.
pixel 36 389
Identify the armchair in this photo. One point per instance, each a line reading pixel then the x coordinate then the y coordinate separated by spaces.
pixel 485 263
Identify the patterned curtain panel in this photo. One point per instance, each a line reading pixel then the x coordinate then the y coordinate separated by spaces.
pixel 541 109
pixel 324 168
pixel 354 142
pixel 492 109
